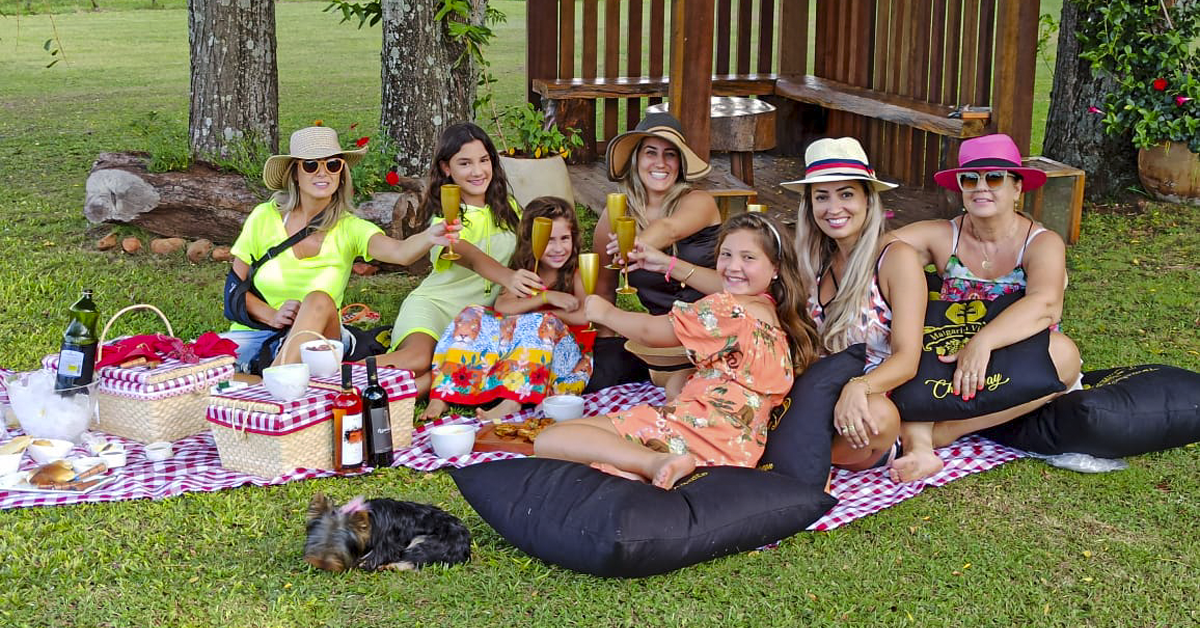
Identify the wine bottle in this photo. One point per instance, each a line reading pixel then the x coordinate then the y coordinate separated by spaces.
pixel 77 357
pixel 378 419
pixel 347 426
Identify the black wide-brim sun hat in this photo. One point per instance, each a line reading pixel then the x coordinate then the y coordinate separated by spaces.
pixel 663 126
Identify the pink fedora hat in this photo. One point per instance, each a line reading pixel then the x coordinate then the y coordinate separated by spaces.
pixel 991 152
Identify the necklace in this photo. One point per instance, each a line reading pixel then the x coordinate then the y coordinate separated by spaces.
pixel 987 261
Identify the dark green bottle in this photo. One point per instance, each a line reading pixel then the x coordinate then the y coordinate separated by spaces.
pixel 377 416
pixel 77 358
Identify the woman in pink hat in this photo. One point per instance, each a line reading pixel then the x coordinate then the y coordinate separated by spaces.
pixel 989 251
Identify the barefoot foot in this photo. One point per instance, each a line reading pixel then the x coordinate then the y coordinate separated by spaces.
pixel 611 470
pixel 499 411
pixel 434 410
pixel 672 469
pixel 915 465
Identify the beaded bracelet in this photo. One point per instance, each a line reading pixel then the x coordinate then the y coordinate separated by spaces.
pixel 670 267
pixel 862 380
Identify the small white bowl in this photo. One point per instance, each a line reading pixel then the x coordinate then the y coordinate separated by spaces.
pixel 114 458
pixel 158 451
pixel 10 463
pixel 56 449
pixel 450 441
pixel 84 464
pixel 286 381
pixel 322 361
pixel 563 407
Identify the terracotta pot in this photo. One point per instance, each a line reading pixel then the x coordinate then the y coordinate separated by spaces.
pixel 531 178
pixel 1170 172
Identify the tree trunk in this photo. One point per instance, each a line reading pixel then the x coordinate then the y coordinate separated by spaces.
pixel 235 81
pixel 423 90
pixel 1076 137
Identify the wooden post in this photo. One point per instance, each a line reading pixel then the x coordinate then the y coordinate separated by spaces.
pixel 541 51
pixel 1012 97
pixel 691 70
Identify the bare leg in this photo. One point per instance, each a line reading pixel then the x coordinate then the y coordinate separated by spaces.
pixel 595 440
pixel 415 353
pixel 919 460
pixel 499 411
pixel 888 419
pixel 675 383
pixel 317 314
pixel 434 410
pixel 1066 361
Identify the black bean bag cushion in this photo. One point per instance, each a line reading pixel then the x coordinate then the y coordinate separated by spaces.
pixel 799 442
pixel 1016 374
pixel 614 365
pixel 1120 412
pixel 574 516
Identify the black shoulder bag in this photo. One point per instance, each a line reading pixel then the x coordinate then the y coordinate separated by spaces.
pixel 236 288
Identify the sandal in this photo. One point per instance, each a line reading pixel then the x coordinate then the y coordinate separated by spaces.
pixel 359 312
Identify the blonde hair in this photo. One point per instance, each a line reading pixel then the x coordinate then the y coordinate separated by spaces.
pixel 815 251
pixel 340 204
pixel 631 185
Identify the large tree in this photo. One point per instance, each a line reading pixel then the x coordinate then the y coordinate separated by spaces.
pixel 234 77
pixel 428 81
pixel 1074 135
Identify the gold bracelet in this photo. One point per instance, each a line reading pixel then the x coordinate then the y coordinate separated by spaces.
pixel 683 282
pixel 544 299
pixel 862 380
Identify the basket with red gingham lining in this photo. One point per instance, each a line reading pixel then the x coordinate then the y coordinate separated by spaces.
pixel 168 379
pixel 4 373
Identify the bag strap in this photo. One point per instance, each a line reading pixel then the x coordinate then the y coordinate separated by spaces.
pixel 285 245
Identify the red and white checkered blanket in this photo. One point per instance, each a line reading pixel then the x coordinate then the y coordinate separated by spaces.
pixel 196 466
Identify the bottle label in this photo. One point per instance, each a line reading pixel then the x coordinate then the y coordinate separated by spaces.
pixel 352 440
pixel 381 424
pixel 70 362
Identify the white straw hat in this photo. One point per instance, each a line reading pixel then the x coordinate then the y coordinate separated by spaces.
pixel 314 142
pixel 840 159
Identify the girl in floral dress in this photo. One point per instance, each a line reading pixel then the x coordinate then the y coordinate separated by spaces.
pixel 521 350
pixel 744 342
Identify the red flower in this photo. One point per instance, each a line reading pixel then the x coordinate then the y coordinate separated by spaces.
pixel 1181 100
pixel 461 377
pixel 538 375
pixel 362 141
pixel 1160 84
pixel 392 178
pixel 1094 109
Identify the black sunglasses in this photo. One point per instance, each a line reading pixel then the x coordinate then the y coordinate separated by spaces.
pixel 333 165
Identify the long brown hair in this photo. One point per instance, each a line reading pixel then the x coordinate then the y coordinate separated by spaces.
pixel 633 188
pixel 553 208
pixel 788 290
pixel 452 140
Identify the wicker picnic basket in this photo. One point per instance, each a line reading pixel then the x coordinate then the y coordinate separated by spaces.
pixel 160 403
pixel 261 435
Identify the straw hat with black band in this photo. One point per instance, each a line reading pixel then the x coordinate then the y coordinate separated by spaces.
pixel 314 142
pixel 837 159
pixel 663 126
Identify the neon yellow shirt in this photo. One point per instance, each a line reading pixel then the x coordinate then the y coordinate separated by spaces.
pixel 287 277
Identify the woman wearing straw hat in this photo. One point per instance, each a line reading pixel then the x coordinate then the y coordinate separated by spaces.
pixel 989 251
pixel 301 287
pixel 864 290
pixel 654 166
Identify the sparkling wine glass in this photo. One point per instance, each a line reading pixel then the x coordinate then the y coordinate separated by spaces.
pixel 589 269
pixel 626 235
pixel 451 199
pixel 756 208
pixel 542 227
pixel 616 204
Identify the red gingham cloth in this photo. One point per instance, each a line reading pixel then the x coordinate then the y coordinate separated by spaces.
pixel 133 382
pixel 4 373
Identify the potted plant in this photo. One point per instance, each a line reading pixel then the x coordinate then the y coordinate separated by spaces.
pixel 534 161
pixel 1148 48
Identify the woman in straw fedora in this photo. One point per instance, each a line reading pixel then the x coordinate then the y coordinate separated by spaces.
pixel 302 287
pixel 989 251
pixel 654 168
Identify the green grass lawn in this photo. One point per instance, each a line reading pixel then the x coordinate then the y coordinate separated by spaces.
pixel 1026 544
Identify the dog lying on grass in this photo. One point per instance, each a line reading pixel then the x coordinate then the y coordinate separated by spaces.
pixel 382 534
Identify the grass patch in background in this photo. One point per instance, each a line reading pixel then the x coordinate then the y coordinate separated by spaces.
pixel 1025 544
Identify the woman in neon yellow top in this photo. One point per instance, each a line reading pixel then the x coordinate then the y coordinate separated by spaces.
pixel 466 157
pixel 302 287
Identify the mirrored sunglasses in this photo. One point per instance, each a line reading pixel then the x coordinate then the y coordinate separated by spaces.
pixel 993 179
pixel 333 165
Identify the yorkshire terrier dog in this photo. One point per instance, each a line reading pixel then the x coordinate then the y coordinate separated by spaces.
pixel 381 534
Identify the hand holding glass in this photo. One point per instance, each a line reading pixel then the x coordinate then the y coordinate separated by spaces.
pixel 616 206
pixel 589 269
pixel 451 199
pixel 626 236
pixel 540 235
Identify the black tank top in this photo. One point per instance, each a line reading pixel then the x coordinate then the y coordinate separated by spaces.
pixel 657 294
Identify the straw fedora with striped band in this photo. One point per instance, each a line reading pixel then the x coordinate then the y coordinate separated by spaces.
pixel 314 142
pixel 837 159
pixel 663 126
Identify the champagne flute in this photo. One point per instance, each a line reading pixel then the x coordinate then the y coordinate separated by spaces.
pixel 589 269
pixel 451 199
pixel 541 237
pixel 616 204
pixel 756 208
pixel 626 235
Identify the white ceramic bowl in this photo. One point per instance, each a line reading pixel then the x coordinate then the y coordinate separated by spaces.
pixel 85 464
pixel 44 450
pixel 452 440
pixel 286 381
pixel 114 458
pixel 563 407
pixel 9 463
pixel 158 451
pixel 321 360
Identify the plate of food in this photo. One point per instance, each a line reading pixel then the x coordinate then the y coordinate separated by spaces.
pixel 512 437
pixel 60 476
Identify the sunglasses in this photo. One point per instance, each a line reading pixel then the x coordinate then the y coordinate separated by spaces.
pixel 993 178
pixel 333 165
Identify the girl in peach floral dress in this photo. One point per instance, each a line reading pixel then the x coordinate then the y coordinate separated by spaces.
pixel 744 342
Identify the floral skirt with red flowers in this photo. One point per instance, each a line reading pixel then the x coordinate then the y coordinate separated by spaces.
pixel 483 355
